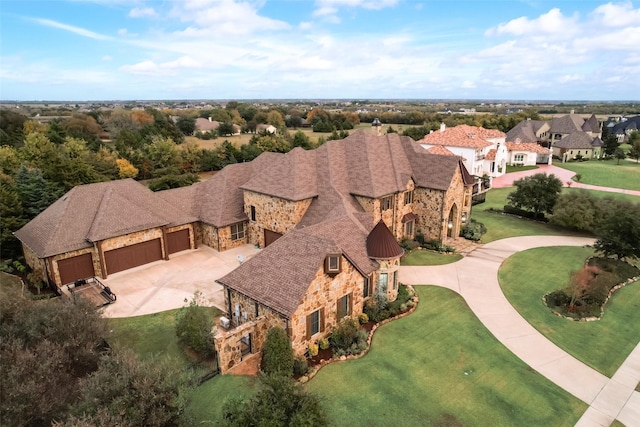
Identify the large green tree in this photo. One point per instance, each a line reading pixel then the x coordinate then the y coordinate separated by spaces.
pixel 619 233
pixel 537 193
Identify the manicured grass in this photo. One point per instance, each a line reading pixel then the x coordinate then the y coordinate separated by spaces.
pixel 520 168
pixel 604 344
pixel 207 401
pixel 440 366
pixel 607 173
pixel 424 257
pixel 150 335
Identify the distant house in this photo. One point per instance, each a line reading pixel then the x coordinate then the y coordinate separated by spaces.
pixel 208 125
pixel 483 151
pixel 572 123
pixel 529 131
pixel 527 153
pixel 262 127
pixel 578 145
pixel 623 128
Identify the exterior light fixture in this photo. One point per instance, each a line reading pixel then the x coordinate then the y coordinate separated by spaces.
pixel 450 225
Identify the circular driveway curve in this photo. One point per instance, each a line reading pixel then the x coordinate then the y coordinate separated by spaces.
pixel 475 277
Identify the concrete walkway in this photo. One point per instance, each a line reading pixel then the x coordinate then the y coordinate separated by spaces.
pixel 564 175
pixel 475 277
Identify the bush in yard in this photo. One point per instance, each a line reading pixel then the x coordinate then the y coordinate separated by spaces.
pixel 536 193
pixel 281 401
pixel 408 245
pixel 363 318
pixel 312 350
pixel 300 366
pixel 323 344
pixel 348 338
pixel 473 230
pixel 277 354
pixel 375 308
pixel 193 327
pixel 619 232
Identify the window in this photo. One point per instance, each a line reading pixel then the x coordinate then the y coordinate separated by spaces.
pixel 385 203
pixel 253 213
pixel 237 231
pixel 408 228
pixel 315 322
pixel 395 280
pixel 332 264
pixel 408 197
pixel 344 306
pixel 518 158
pixel 366 290
pixel 382 286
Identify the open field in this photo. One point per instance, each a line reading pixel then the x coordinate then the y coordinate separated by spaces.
pixel 607 173
pixel 602 344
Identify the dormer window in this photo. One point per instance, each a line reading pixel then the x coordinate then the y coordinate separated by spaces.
pixel 332 264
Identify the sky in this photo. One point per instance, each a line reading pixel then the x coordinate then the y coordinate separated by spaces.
pixel 89 50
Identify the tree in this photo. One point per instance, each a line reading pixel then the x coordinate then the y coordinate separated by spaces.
pixel 225 129
pixel 281 402
pixel 619 154
pixel 537 193
pixel 186 124
pixel 275 118
pixel 579 210
pixel 126 169
pixel 619 233
pixel 634 140
pixel 300 139
pixel 277 353
pixel 194 325
pixel 610 142
pixel 11 128
pixel 36 192
pixel 11 218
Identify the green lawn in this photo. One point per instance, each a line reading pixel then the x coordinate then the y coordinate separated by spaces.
pixel 424 257
pixel 607 173
pixel 602 344
pixel 150 335
pixel 205 406
pixel 440 366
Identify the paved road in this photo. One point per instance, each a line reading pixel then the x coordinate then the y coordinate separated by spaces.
pixel 475 277
pixel 564 175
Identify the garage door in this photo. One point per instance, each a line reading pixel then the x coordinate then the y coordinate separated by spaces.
pixel 178 241
pixel 270 237
pixel 133 256
pixel 77 267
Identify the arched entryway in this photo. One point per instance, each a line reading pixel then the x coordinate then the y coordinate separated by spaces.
pixel 452 222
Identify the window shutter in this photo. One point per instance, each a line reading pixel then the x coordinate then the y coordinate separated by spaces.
pixel 322 319
pixel 308 326
pixel 350 304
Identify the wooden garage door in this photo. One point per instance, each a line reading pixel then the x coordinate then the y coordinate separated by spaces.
pixel 270 237
pixel 77 267
pixel 133 256
pixel 178 241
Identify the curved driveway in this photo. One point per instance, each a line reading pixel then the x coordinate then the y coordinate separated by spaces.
pixel 475 277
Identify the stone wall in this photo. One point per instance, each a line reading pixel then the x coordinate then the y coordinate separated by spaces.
pixel 324 292
pixel 456 196
pixel 192 235
pixel 132 239
pixel 392 269
pixel 401 209
pixel 37 264
pixel 428 207
pixel 219 238
pixel 229 346
pixel 55 272
pixel 272 213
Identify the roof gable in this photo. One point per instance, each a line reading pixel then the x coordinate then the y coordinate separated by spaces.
pixel 463 136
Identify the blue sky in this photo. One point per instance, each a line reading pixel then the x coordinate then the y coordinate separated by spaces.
pixel 295 49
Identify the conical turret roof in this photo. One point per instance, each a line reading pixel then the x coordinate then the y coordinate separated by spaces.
pixel 381 244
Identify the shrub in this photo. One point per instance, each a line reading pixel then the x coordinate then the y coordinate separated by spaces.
pixel 277 354
pixel 420 239
pixel 408 245
pixel 323 344
pixel 375 307
pixel 300 366
pixel 434 245
pixel 473 230
pixel 525 214
pixel 403 308
pixel 557 299
pixel 348 338
pixel 312 350
pixel 363 318
pixel 193 327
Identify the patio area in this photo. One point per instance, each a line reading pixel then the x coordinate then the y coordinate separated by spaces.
pixel 165 285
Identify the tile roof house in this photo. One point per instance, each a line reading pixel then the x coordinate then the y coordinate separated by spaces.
pixel 328 219
pixel 473 144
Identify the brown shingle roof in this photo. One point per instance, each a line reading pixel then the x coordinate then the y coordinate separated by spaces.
pixel 93 212
pixel 575 140
pixel 463 136
pixel 566 124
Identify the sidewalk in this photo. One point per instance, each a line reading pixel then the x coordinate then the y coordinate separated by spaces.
pixel 564 175
pixel 476 278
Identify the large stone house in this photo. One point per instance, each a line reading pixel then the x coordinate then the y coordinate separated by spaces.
pixel 328 219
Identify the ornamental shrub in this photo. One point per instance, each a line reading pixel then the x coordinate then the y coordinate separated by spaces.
pixel 312 350
pixel 323 344
pixel 473 230
pixel 363 318
pixel 300 366
pixel 277 354
pixel 348 338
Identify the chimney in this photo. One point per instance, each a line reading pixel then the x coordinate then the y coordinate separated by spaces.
pixel 442 127
pixel 209 119
pixel 573 111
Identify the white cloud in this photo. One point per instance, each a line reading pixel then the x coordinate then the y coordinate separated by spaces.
pixel 107 58
pixel 617 14
pixel 552 22
pixel 142 12
pixel 76 30
pixel 365 4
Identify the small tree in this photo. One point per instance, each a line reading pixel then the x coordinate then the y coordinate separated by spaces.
pixel 277 354
pixel 537 193
pixel 194 325
pixel 619 154
pixel 619 233
pixel 580 285
pixel 634 140
pixel 186 124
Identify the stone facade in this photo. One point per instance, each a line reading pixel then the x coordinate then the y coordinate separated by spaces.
pixel 38 265
pixel 54 272
pixel 457 204
pixel 390 268
pixel 220 239
pixel 229 345
pixel 132 239
pixel 324 292
pixel 192 235
pixel 428 205
pixel 271 213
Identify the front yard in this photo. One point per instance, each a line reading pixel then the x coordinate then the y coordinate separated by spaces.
pixel 607 173
pixel 604 344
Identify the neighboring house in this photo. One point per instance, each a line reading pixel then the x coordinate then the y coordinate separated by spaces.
pixel 624 127
pixel 578 145
pixel 483 150
pixel 527 153
pixel 208 125
pixel 529 131
pixel 262 127
pixel 328 219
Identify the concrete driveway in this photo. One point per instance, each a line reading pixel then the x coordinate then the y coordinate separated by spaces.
pixel 164 285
